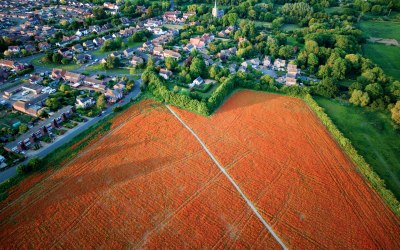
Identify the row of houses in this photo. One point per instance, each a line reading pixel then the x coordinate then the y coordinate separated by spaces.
pixel 26 140
pixel 177 16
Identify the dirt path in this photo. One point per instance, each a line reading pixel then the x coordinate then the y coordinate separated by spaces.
pixel 249 203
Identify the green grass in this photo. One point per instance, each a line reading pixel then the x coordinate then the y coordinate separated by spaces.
pixel 95 68
pixel 387 57
pixel 259 24
pixel 294 42
pixel 133 44
pixel 372 134
pixel 290 27
pixel 8 118
pixel 174 26
pixel 38 62
pixel 381 29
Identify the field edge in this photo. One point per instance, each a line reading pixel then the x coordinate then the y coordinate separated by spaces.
pixel 371 177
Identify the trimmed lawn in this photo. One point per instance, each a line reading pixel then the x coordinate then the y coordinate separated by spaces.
pixel 385 56
pixel 372 134
pixel 38 62
pixel 97 68
pixel 383 29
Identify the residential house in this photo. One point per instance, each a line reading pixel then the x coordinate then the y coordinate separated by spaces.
pixel 14 49
pixel 197 82
pixel 35 79
pixel 84 102
pixel 78 48
pixel 111 6
pixel 136 61
pixel 129 52
pixel 65 52
pixel 158 51
pixel 117 54
pixel 165 73
pixel 73 77
pixel 43 46
pixel 292 70
pixel 290 81
pixel 30 48
pixel 267 61
pixel 107 37
pixel 11 64
pixel 279 63
pixel 94 29
pixel 171 16
pixel 82 58
pixel 152 23
pixel 57 73
pixel 113 95
pixel 197 42
pixel 121 85
pixel 98 41
pixel 89 45
pixel 82 32
pixel 225 54
pixel 173 54
pixel 93 81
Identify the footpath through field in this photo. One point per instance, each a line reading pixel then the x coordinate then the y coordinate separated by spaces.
pixel 249 203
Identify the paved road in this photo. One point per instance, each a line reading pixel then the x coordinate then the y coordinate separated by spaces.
pixel 6 174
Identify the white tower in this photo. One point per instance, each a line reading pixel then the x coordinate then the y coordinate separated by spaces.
pixel 215 10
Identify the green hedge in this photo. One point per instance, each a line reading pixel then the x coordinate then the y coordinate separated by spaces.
pixel 376 182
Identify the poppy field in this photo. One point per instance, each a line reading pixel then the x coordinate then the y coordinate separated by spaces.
pixel 148 183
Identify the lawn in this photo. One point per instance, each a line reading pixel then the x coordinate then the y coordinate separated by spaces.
pixel 174 26
pixel 267 25
pixel 97 68
pixel 372 134
pixel 385 56
pixel 290 27
pixel 37 62
pixel 381 29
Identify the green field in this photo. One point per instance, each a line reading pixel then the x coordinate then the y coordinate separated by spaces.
pixel 372 134
pixel 39 63
pixel 381 29
pixel 387 57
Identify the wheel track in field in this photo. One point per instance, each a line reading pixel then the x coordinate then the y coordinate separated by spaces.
pixel 161 224
pixel 335 174
pixel 100 197
pixel 249 203
pixel 51 189
pixel 85 152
